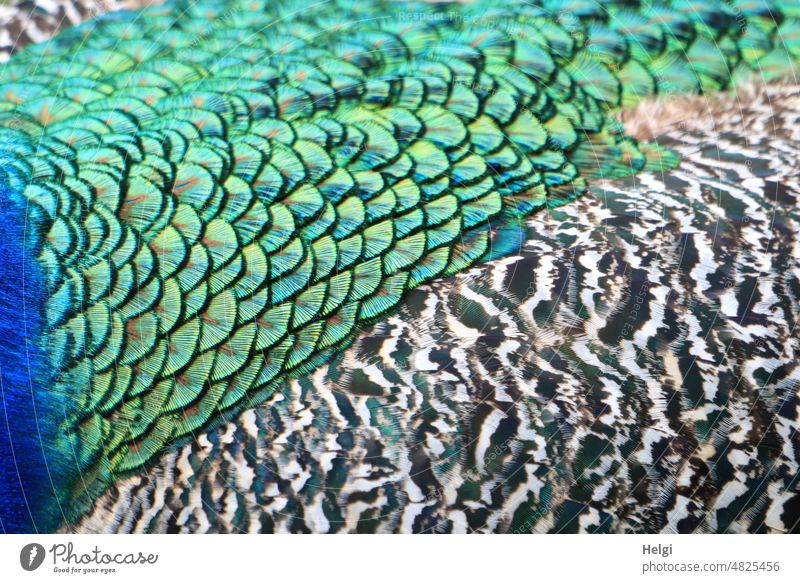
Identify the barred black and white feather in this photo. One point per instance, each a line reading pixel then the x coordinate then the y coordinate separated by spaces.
pixel 634 368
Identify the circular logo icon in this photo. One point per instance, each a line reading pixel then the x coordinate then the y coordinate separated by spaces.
pixel 31 556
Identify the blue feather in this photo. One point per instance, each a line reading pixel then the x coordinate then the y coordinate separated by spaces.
pixel 29 464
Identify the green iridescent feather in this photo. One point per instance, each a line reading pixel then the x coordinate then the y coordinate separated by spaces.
pixel 231 189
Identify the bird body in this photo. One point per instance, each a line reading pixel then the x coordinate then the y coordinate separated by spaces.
pixel 206 200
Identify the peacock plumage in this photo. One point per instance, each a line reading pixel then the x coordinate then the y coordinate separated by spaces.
pixel 205 204
pixel 31 21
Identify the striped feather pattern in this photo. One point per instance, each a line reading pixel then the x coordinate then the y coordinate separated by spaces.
pixel 212 223
pixel 34 21
pixel 632 368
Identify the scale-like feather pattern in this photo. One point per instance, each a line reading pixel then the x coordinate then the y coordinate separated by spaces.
pixel 224 193
pixel 631 368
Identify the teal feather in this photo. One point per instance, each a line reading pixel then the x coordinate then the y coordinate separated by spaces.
pixel 213 222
